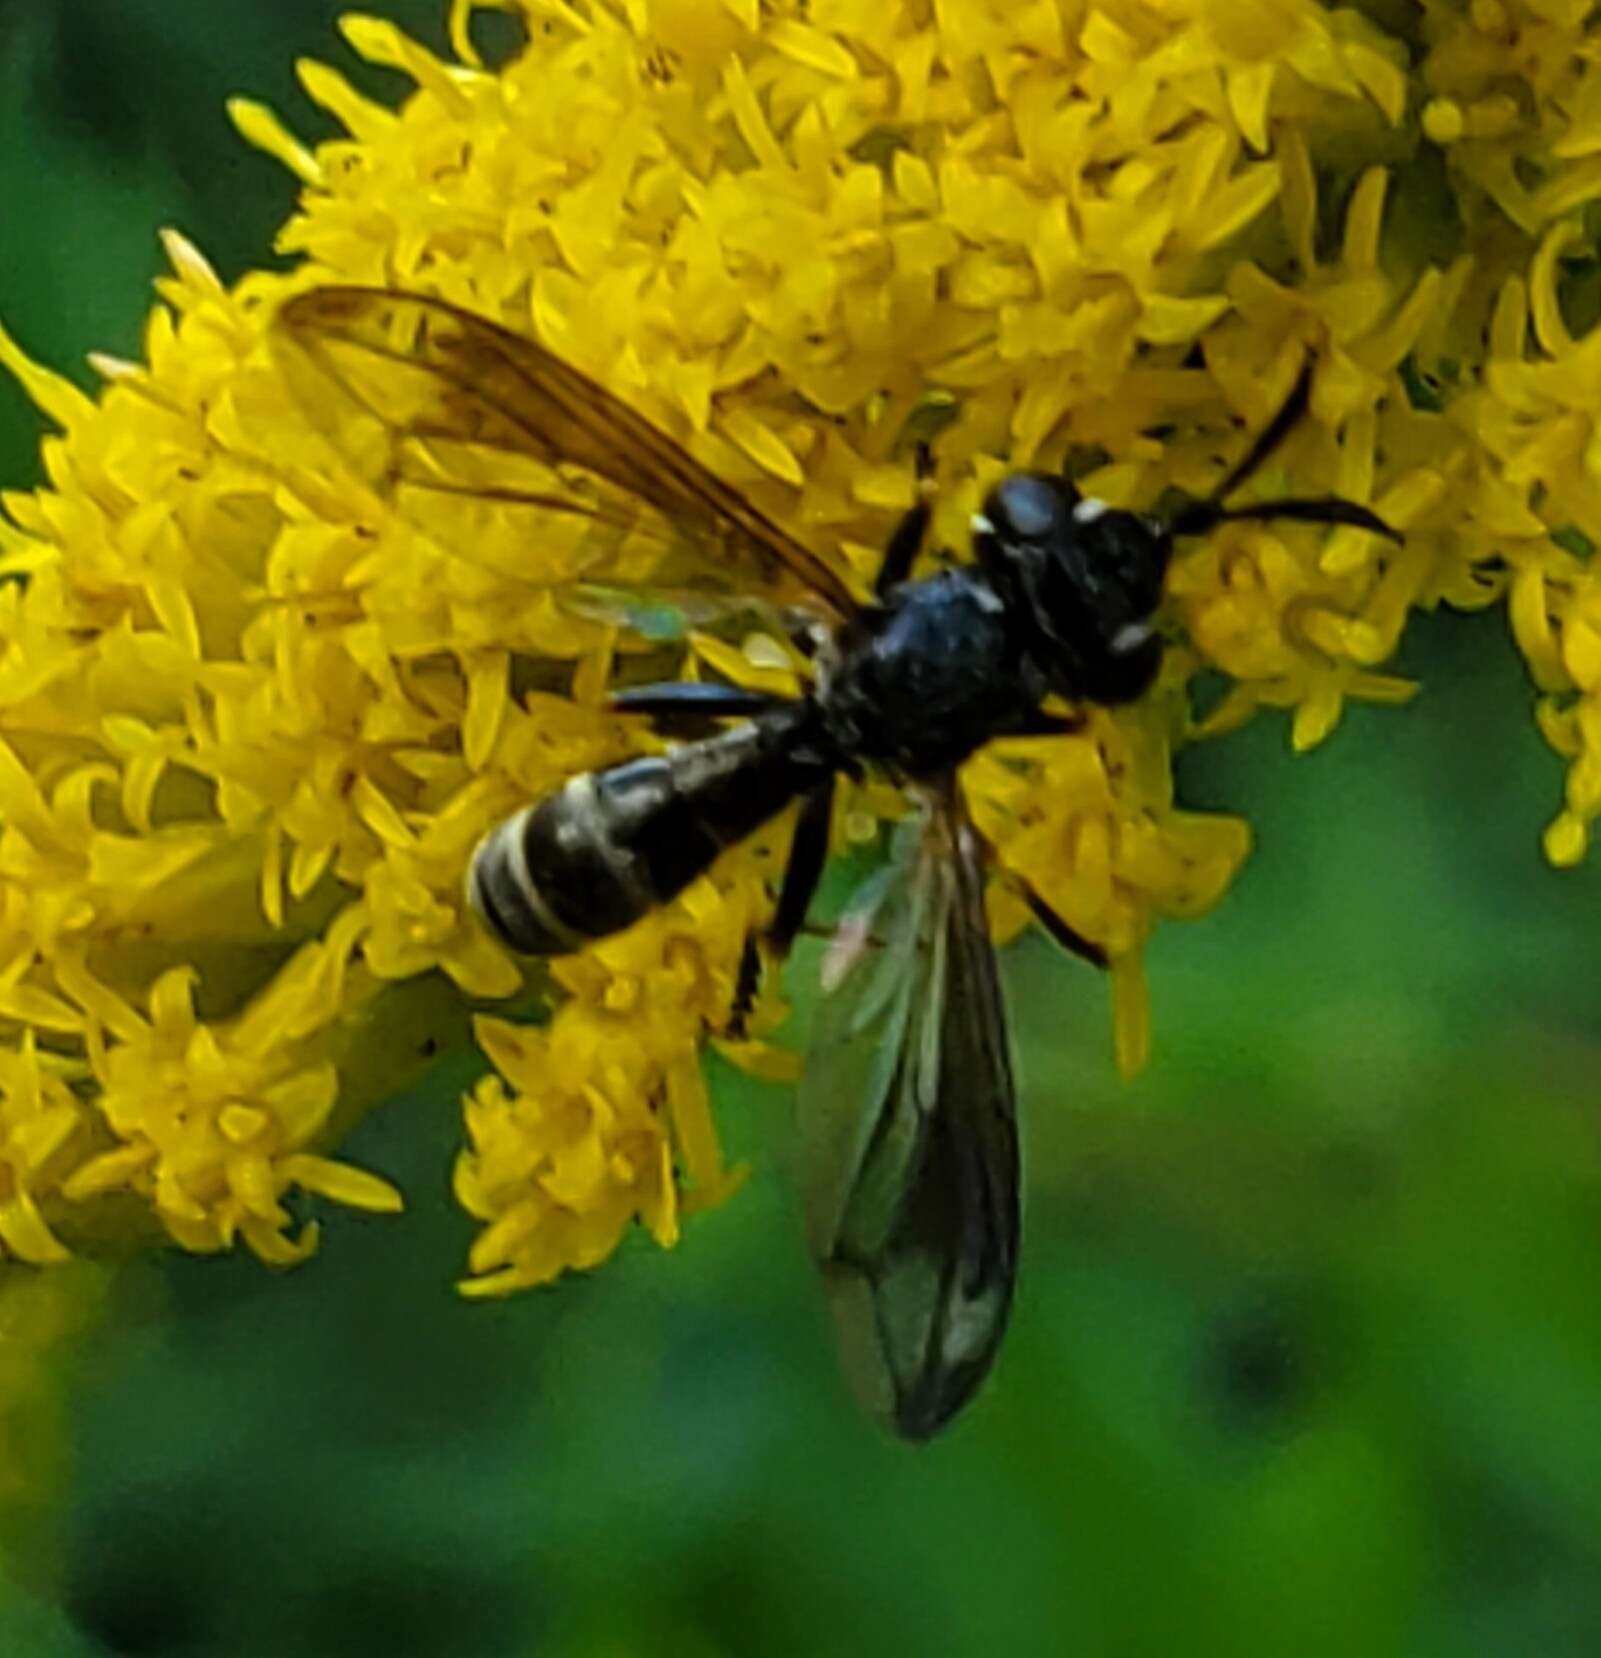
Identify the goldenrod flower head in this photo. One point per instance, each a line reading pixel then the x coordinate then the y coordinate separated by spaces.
pixel 213 1120
pixel 253 720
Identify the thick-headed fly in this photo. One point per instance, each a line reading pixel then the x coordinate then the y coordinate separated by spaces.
pixel 908 1109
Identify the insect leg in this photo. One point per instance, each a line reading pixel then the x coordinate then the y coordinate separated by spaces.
pixel 907 541
pixel 904 546
pixel 688 704
pixel 1072 941
pixel 746 983
pixel 687 696
pixel 808 852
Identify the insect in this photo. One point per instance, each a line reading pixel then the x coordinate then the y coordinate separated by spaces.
pixel 908 1104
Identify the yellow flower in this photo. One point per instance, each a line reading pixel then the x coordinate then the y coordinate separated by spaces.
pixel 39 1122
pixel 609 1115
pixel 1514 104
pixel 253 719
pixel 1536 420
pixel 212 1121
pixel 560 1168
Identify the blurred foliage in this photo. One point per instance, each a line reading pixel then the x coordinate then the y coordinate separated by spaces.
pixel 1307 1356
pixel 112 125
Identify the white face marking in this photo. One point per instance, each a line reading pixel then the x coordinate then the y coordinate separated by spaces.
pixel 1129 638
pixel 982 525
pixel 1088 510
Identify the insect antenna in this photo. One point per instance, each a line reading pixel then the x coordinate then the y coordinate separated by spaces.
pixel 1268 439
pixel 1197 517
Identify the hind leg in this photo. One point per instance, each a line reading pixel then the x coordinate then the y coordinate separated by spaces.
pixel 808 855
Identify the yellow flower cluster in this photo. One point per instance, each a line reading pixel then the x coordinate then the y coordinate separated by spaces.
pixel 253 720
pixel 606 1118
pixel 1514 103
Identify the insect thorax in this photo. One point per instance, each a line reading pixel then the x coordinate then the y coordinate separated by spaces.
pixel 929 677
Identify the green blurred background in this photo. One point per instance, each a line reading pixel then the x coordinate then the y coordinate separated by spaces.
pixel 1307 1356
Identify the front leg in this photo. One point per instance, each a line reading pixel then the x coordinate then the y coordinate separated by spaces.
pixel 680 707
pixel 907 541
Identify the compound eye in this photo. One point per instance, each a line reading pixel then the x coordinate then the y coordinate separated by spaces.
pixel 1027 507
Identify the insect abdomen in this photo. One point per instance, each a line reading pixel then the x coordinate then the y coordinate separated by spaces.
pixel 611 845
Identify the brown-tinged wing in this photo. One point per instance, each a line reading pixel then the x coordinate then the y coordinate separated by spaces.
pixel 449 415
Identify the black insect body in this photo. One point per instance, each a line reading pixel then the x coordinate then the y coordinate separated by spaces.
pixel 927 674
pixel 908 1105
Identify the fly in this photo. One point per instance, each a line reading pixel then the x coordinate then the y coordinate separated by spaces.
pixel 908 1106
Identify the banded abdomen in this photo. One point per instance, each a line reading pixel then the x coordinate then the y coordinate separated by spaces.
pixel 611 845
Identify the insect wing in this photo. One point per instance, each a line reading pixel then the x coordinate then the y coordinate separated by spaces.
pixel 450 416
pixel 909 1134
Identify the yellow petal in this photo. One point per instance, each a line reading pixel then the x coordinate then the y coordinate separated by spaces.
pixel 342 1183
